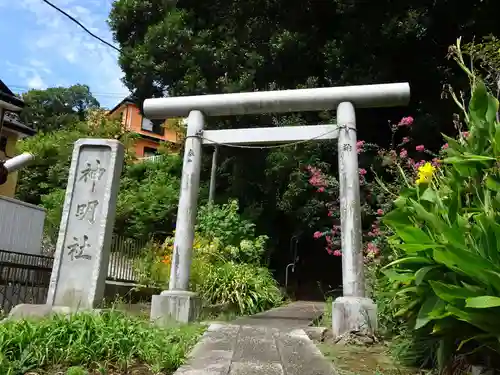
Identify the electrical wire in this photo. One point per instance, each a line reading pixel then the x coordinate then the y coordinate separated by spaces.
pixel 82 26
pixel 290 144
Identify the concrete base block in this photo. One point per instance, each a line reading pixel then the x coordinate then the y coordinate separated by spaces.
pixel 37 311
pixel 353 314
pixel 175 305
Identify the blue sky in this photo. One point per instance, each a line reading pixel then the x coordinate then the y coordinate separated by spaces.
pixel 41 48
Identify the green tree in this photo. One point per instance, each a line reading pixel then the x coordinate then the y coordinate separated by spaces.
pixel 53 152
pixel 57 107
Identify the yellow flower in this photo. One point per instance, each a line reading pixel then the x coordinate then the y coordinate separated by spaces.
pixel 425 173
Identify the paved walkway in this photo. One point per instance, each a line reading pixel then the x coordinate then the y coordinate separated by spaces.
pixel 270 343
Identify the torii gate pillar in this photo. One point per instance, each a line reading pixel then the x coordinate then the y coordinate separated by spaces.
pixel 351 312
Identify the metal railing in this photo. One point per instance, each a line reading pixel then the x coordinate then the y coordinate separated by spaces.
pixel 24 278
pixel 153 158
pixel 124 252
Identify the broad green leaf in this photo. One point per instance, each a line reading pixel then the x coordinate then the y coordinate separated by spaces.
pixel 483 302
pixel 404 310
pixel 497 139
pixel 399 216
pixel 491 113
pixel 493 183
pixel 475 157
pixel 410 260
pixel 450 293
pixel 453 144
pixel 432 304
pixel 398 276
pixel 469 158
pixel 422 273
pixel 478 105
pixel 425 215
pixel 469 264
pixel 412 248
pixel 411 234
pixel 429 195
pixel 478 318
pixel 454 206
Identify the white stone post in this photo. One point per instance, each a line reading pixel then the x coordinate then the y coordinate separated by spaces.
pixel 83 246
pixel 353 311
pixel 178 303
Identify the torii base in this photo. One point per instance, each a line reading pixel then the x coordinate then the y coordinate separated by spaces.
pixel 354 314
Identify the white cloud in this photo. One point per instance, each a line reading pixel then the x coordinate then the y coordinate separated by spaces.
pixel 36 82
pixel 56 40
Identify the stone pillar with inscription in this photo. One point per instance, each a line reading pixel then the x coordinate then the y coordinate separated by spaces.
pixel 178 303
pixel 353 311
pixel 83 246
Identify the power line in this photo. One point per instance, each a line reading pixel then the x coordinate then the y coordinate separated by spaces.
pixel 79 24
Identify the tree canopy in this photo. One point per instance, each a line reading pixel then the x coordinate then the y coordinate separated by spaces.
pixel 57 107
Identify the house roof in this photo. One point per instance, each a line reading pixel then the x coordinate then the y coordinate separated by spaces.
pixel 11 121
pixel 13 102
pixel 128 100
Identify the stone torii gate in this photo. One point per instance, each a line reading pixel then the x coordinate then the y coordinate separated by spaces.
pixel 353 311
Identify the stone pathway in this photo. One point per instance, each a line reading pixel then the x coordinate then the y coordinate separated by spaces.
pixel 270 343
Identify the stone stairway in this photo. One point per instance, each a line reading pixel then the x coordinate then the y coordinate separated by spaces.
pixel 270 343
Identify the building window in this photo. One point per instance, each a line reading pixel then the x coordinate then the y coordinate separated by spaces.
pixel 3 144
pixel 153 126
pixel 150 151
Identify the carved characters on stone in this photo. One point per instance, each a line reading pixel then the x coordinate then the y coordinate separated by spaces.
pixel 92 173
pixel 87 211
pixel 78 247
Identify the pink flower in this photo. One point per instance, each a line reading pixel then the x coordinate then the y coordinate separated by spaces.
pixel 359 146
pixel 420 148
pixel 321 190
pixel 317 235
pixel 465 134
pixel 372 248
pixel 337 253
pixel 330 213
pixel 329 251
pixel 445 146
pixel 362 171
pixel 419 164
pixel 406 139
pixel 380 212
pixel 403 154
pixel 406 121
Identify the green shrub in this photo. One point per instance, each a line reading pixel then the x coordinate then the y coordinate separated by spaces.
pixel 226 268
pixel 87 339
pixel 447 239
pixel 246 288
pixel 225 223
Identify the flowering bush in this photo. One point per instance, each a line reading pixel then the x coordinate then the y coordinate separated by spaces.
pixel 226 268
pixel 379 185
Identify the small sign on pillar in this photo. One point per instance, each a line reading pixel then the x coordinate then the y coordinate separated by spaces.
pixel 83 246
